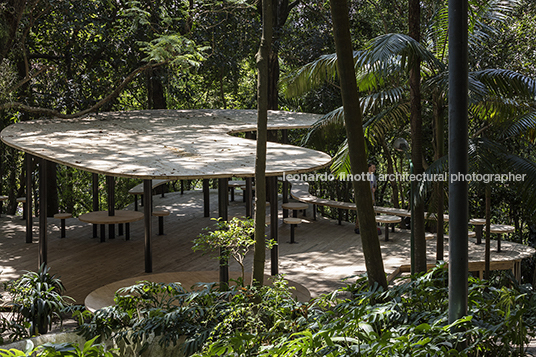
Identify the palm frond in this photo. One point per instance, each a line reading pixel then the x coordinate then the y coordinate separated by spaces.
pixel 341 160
pixel 311 76
pixel 387 97
pixel 380 52
pixel 483 17
pixel 334 117
pixel 506 83
pixel 521 125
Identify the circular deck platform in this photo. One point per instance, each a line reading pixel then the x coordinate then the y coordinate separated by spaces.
pixel 104 296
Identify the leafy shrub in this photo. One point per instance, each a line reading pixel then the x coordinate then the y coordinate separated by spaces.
pixel 37 301
pixel 90 349
pixel 409 319
pixel 234 237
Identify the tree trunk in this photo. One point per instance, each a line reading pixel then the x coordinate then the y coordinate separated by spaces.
pixel 391 171
pixel 259 254
pixel 356 142
pixel 440 198
pixel 416 139
pixel 156 98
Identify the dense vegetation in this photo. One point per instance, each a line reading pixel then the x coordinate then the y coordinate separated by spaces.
pixel 409 319
pixel 64 58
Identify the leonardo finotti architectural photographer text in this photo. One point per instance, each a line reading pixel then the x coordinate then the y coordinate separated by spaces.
pixel 443 177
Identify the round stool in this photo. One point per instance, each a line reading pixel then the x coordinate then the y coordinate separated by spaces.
pixel 479 224
pixel 295 207
pixel 161 215
pixel 293 223
pixel 387 220
pixel 62 217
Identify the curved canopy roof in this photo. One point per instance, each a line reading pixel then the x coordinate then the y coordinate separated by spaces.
pixel 165 144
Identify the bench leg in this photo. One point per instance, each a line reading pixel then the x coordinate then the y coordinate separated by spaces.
pixel 314 212
pixel 62 235
pixel 120 229
pixel 386 232
pixel 499 243
pixel 127 231
pixel 392 228
pixel 478 231
pixel 232 193
pixel 103 233
pixel 135 202
pixel 95 231
pixel 161 226
pixel 340 216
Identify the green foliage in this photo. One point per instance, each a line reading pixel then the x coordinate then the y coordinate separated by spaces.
pixel 37 301
pixel 235 237
pixel 89 349
pixel 409 319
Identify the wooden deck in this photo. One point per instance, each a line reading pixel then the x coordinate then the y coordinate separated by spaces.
pixel 326 252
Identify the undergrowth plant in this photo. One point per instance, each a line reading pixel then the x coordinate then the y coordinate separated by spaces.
pixel 37 300
pixel 408 319
pixel 89 349
pixel 234 237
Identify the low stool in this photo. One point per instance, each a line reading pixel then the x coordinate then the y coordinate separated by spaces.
pixel 62 217
pixel 293 223
pixel 161 215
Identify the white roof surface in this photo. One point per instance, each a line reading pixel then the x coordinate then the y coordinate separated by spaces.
pixel 165 144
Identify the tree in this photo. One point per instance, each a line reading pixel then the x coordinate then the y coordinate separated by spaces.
pixel 356 143
pixel 260 158
pixel 419 257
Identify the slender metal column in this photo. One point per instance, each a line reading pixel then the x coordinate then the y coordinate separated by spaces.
pixel 43 171
pixel 110 183
pixel 95 189
pixel 458 162
pixel 223 201
pixel 206 197
pixel 29 186
pixel 147 219
pixel 274 223
pixel 284 140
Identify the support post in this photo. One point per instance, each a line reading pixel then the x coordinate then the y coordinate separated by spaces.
pixel 43 173
pixel 29 185
pixel 95 188
pixel 223 201
pixel 206 197
pixel 274 223
pixel 249 199
pixel 110 183
pixel 147 219
pixel 458 162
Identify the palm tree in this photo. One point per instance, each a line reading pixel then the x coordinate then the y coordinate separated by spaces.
pixel 382 68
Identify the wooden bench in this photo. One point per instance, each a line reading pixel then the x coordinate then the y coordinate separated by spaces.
pixel 232 184
pixel 103 218
pixel 161 214
pixel 138 191
pixel 62 217
pixel 387 220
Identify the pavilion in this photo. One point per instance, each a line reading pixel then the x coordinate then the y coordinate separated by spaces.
pixel 163 144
